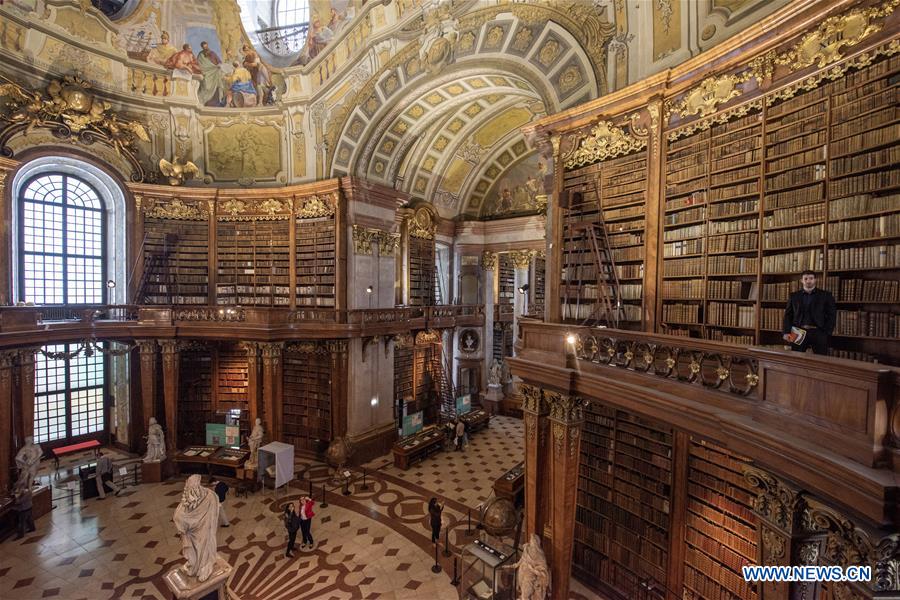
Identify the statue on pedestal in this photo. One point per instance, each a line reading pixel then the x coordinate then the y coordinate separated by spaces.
pixel 496 373
pixel 27 461
pixel 197 521
pixel 532 571
pixel 254 441
pixel 156 442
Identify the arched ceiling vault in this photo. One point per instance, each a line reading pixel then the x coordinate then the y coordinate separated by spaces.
pixel 428 128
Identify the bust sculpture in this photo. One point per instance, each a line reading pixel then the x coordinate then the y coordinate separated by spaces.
pixel 27 460
pixel 254 441
pixel 532 571
pixel 496 373
pixel 156 442
pixel 197 521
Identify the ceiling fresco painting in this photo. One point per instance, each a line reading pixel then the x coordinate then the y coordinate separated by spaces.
pixel 427 96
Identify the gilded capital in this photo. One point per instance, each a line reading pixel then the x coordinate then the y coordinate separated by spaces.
pixel 533 400
pixel 521 258
pixel 488 260
pixel 363 239
pixel 565 409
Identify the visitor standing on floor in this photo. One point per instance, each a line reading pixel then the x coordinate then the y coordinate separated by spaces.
pixel 221 490
pixel 23 511
pixel 104 475
pixel 306 515
pixel 292 523
pixel 460 434
pixel 434 513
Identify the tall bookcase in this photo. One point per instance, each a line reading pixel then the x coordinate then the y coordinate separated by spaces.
pixel 618 188
pixel 316 262
pixel 176 267
pixel 195 395
pixel 811 181
pixel 538 285
pixel 506 280
pixel 622 514
pixel 307 400
pixel 411 363
pixel 422 271
pixel 253 263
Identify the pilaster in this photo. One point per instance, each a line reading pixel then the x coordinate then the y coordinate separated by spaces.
pixel 170 361
pixel 6 430
pixel 253 379
pixel 148 350
pixel 26 396
pixel 537 465
pixel 272 377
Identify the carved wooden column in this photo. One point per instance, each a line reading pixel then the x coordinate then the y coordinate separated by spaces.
pixel 488 269
pixel 553 266
pixel 655 216
pixel 26 395
pixel 537 465
pixel 778 506
pixel 566 420
pixel 6 429
pixel 148 387
pixel 170 361
pixel 339 396
pixel 272 374
pixel 253 380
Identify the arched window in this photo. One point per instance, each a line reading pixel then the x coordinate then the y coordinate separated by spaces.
pixel 292 12
pixel 62 239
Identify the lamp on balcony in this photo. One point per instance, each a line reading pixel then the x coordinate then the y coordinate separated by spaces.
pixel 369 291
pixel 523 289
pixel 110 284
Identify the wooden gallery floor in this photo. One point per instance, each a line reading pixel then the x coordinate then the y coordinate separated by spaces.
pixel 371 544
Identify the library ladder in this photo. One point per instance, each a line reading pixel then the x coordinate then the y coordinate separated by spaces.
pixel 156 264
pixel 593 237
pixel 440 366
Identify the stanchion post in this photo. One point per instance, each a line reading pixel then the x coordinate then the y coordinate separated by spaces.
pixel 324 501
pixel 469 527
pixel 364 486
pixel 310 487
pixel 447 541
pixel 437 567
pixel 455 580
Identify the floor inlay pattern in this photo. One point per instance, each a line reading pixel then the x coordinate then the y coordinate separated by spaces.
pixel 374 543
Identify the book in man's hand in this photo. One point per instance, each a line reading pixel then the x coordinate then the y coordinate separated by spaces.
pixel 797 335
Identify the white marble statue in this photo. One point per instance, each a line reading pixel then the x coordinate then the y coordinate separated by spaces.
pixel 197 521
pixel 496 373
pixel 27 461
pixel 532 571
pixel 156 442
pixel 255 439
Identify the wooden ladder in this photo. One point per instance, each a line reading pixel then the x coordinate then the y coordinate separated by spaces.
pixel 593 238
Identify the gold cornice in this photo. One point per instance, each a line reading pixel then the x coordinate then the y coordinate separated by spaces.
pixel 604 140
pixel 174 209
pixel 319 205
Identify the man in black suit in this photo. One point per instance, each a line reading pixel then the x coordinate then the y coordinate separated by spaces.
pixel 811 309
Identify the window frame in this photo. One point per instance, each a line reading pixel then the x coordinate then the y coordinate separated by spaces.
pixel 64 255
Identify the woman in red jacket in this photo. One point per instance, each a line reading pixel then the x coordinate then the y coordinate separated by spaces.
pixel 306 515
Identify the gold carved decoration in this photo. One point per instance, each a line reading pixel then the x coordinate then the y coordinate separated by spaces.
pixel 233 206
pixel 421 224
pixel 706 98
pixel 605 140
pixel 565 408
pixel 363 239
pixel 72 111
pixel 178 172
pixel 176 209
pixel 488 260
pixel 316 206
pixel 773 546
pixel 823 46
pixel 387 242
pixel 428 337
pixel 521 258
pixel 272 206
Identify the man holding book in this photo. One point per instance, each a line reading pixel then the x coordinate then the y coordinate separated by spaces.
pixel 809 317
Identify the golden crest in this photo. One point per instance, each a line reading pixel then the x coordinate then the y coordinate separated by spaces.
pixel 488 260
pixel 605 140
pixel 176 209
pixel 272 206
pixel 706 98
pixel 316 206
pixel 422 224
pixel 362 240
pixel 233 207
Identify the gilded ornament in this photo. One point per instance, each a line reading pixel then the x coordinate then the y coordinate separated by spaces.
pixel 427 337
pixel 272 206
pixel 605 140
pixel 178 172
pixel 488 260
pixel 695 367
pixel 176 209
pixel 569 79
pixel 233 206
pixel 466 41
pixel 752 379
pixel 362 240
pixel 548 52
pixel 775 500
pixel 387 242
pixel 494 37
pixel 316 206
pixel 522 39
pixel 422 224
pixel 706 98
pixel 521 258
pixel 722 373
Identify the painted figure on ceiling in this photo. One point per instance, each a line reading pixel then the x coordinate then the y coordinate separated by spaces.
pixel 240 91
pixel 259 73
pixel 163 51
pixel 184 61
pixel 212 87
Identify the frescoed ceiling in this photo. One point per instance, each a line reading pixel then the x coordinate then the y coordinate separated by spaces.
pixel 428 96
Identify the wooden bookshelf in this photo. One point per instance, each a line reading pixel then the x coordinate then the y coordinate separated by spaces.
pixel 176 262
pixel 195 395
pixel 315 255
pixel 422 271
pixel 307 400
pixel 617 187
pixel 622 514
pixel 720 527
pixel 538 286
pixel 232 377
pixel 506 281
pixel 253 263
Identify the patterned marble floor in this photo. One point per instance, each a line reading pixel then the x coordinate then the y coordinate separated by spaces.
pixel 374 543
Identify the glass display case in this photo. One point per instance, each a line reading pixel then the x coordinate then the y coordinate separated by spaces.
pixel 488 571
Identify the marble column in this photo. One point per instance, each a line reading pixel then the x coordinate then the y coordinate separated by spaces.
pixel 170 361
pixel 488 270
pixel 26 396
pixel 566 422
pixel 6 429
pixel 272 375
pixel 148 389
pixel 537 465
pixel 521 261
pixel 253 380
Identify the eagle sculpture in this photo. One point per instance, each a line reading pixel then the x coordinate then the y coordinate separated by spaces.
pixel 178 172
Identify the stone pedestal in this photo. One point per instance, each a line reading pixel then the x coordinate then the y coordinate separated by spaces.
pixel 491 401
pixel 184 587
pixel 155 472
pixel 41 502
